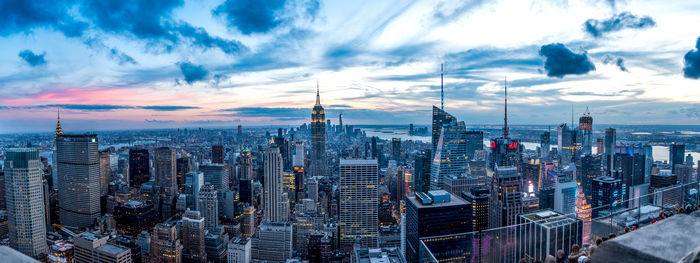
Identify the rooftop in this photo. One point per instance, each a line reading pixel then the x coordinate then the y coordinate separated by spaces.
pixel 379 255
pixel 454 200
pixel 112 249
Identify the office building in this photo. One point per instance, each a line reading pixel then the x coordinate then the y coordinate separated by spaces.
pixel 506 197
pixel 272 185
pixel 450 154
pixel 478 198
pixel 318 138
pixel 374 255
pixel 544 145
pixel 590 169
pixel 165 186
pixel 209 206
pixel 396 149
pixel 183 166
pixel 676 155
pixel 421 173
pixel 89 247
pixel 565 196
pixel 546 196
pixel 246 165
pixel 440 118
pixel 216 174
pixel 435 213
pixel 545 232
pixel 610 144
pixel 217 154
pixel 359 202
pixel 105 172
pixel 585 125
pixel 25 202
pixel 165 246
pixel 79 179
pixel 248 222
pixel 193 184
pixel 239 250
pixel 215 245
pixel 475 142
pixel 299 154
pixel 139 167
pixel 193 232
pixel 569 144
pixel 272 242
pixel 132 217
pixel 505 152
pixel 607 196
pixel 457 184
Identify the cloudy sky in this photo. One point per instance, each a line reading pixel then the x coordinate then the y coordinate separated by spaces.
pixel 119 64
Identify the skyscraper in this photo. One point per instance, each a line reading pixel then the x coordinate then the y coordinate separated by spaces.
pixel 440 118
pixel 24 199
pixel 105 172
pixel 79 179
pixel 217 154
pixel 208 206
pixel 676 155
pixel 299 155
pixel 607 196
pixel 421 173
pixel 165 246
pixel 506 197
pixel 585 125
pixel 450 158
pixel 544 145
pixel 478 198
pixel 475 142
pixel 565 196
pixel 273 242
pixel 318 138
pixel 359 202
pixel 193 232
pixel 610 143
pixel 569 144
pixel 139 168
pixel 396 149
pixel 165 181
pixel 273 186
pixel 246 165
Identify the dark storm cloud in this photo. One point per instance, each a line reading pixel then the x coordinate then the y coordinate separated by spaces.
pixel 561 61
pixel 31 58
pixel 23 16
pixel 250 16
pixel 192 72
pixel 624 20
pixel 691 69
pixel 618 61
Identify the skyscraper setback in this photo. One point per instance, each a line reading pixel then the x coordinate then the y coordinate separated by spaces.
pixel 318 138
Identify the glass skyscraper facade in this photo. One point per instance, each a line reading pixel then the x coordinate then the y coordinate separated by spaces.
pixel 451 154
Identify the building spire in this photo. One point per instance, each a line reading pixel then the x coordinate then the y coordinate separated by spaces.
pixel 318 96
pixel 442 89
pixel 505 118
pixel 59 130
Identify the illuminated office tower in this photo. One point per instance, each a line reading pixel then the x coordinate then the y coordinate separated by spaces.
pixel 139 168
pixel 165 246
pixel 610 143
pixel 590 169
pixel 105 172
pixel 450 158
pixel 565 196
pixel 217 154
pixel 193 232
pixel 568 144
pixel 79 180
pixel 298 159
pixel 208 206
pixel 440 118
pixel 273 242
pixel 318 138
pixel 273 185
pixel 585 125
pixel 506 197
pixel 25 202
pixel 359 202
pixel 54 158
pixel 505 151
pixel 478 199
pixel 183 166
pixel 248 222
pixel 165 181
pixel 193 184
pixel 246 165
pixel 607 196
pixel 421 173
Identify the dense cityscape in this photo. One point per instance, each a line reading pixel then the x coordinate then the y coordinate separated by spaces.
pixel 315 131
pixel 324 192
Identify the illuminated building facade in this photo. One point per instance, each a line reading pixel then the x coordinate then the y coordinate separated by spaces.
pixel 359 202
pixel 79 179
pixel 139 168
pixel 318 138
pixel 585 125
pixel 450 158
pixel 440 118
pixel 165 246
pixel 506 197
pixel 607 194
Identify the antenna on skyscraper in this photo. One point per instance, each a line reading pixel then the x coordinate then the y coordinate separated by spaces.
pixel 442 90
pixel 505 118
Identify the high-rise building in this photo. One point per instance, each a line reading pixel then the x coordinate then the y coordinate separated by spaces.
pixel 421 173
pixel 239 250
pixel 505 152
pixel 183 166
pixel 475 142
pixel 359 202
pixel 396 149
pixel 458 184
pixel 217 154
pixel 193 184
pixel 610 143
pixel 273 242
pixel 272 195
pixel 435 213
pixel 24 200
pixel 676 155
pixel 90 247
pixel 209 206
pixel 569 144
pixel 248 222
pixel 79 179
pixel 440 118
pixel 565 196
pixel 545 232
pixel 299 154
pixel 165 185
pixel 506 197
pixel 246 165
pixel 215 174
pixel 451 154
pixel 590 169
pixel 585 125
pixel 105 172
pixel 139 168
pixel 544 145
pixel 193 233
pixel 165 246
pixel 133 217
pixel 478 198
pixel 318 139
pixel 607 196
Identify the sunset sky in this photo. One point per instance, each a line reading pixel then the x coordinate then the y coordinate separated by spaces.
pixel 124 64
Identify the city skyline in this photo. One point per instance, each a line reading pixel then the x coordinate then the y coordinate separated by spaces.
pixel 212 63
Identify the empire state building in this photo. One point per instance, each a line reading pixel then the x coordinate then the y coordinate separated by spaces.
pixel 318 138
